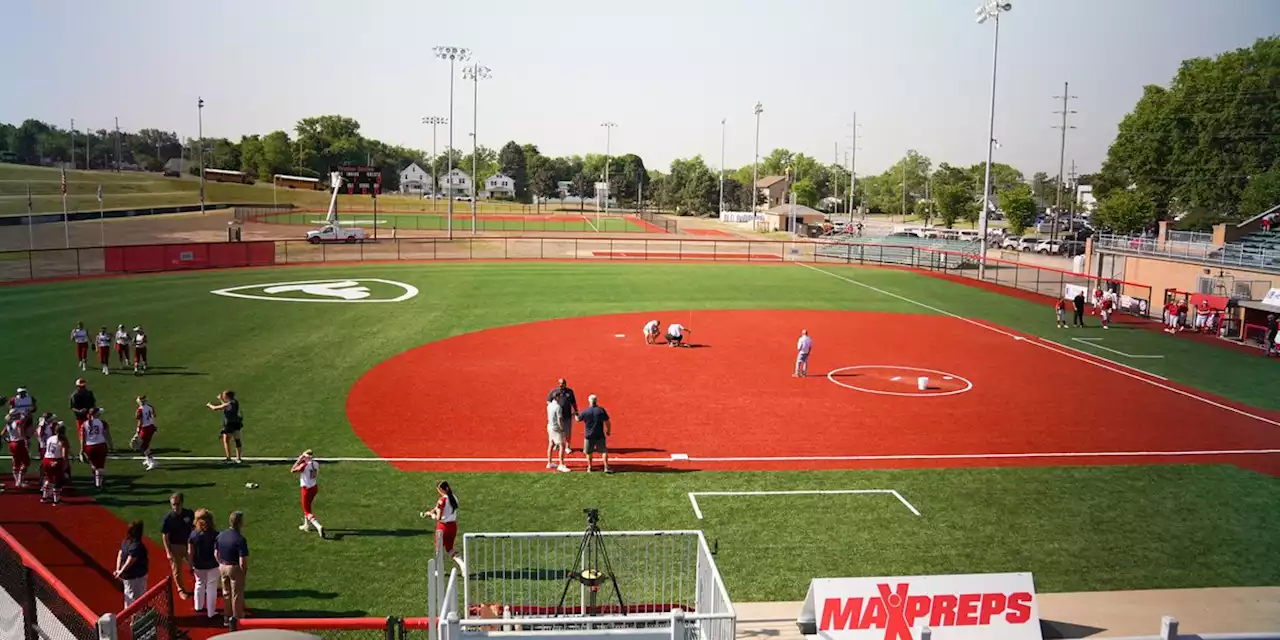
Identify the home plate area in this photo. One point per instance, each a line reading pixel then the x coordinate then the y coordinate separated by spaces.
pixel 883 391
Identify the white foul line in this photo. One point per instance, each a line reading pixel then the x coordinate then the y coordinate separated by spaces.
pixel 1091 359
pixel 1094 355
pixel 1091 342
pixel 693 495
pixel 852 458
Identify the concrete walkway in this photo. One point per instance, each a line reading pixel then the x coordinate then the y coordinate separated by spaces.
pixel 1100 614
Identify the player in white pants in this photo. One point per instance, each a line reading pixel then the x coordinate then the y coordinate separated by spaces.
pixel 556 441
pixel 803 346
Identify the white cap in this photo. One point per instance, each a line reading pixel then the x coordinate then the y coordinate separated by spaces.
pixel 22 389
pixel 591 398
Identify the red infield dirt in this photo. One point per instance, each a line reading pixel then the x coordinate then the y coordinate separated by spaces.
pixel 709 232
pixel 729 402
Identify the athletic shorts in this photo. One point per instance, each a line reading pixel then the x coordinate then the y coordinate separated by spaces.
pixel 802 358
pixel 97 454
pixel 597 446
pixel 555 436
pixel 145 434
pixel 232 430
pixel 676 339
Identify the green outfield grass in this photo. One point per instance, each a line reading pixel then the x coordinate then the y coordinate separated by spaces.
pixel 462 221
pixel 1076 528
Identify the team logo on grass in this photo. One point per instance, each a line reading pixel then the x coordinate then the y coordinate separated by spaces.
pixel 353 290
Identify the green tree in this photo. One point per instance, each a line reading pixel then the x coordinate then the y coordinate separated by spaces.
pixel 544 184
pixel 511 161
pixel 583 188
pixel 954 202
pixel 1019 208
pixel 806 193
pixel 278 153
pixel 251 158
pixel 1126 212
pixel 1262 193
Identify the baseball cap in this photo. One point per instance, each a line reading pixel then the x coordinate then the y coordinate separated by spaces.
pixel 22 389
pixel 80 382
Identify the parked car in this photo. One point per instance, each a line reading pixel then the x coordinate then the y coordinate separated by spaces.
pixel 172 173
pixel 1047 247
pixel 1010 243
pixel 1027 243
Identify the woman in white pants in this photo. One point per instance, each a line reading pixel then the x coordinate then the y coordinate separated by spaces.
pixel 200 554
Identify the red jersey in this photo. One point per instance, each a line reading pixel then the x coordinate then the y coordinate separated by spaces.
pixel 1171 308
pixel 1106 304
pixel 1061 305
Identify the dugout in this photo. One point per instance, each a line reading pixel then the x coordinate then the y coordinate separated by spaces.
pixel 1253 317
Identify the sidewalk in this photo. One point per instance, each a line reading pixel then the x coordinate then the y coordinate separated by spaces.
pixel 1101 614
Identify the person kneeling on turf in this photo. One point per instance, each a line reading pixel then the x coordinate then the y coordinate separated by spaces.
pixel 652 330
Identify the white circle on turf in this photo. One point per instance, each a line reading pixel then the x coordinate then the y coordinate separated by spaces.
pixel 947 376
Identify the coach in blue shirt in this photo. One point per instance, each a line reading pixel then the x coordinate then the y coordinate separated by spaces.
pixel 596 422
pixel 232 553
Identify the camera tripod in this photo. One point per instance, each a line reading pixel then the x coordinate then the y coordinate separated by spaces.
pixel 591 567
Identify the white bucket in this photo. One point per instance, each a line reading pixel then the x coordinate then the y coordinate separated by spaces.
pixel 922 383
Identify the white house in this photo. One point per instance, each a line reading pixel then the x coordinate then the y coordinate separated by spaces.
pixel 455 183
pixel 499 185
pixel 415 179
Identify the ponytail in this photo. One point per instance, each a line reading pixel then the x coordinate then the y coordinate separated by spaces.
pixel 448 492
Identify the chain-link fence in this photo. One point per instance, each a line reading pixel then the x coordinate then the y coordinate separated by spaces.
pixel 35 604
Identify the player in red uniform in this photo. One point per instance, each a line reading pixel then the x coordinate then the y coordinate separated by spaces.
pixel 53 464
pixel 139 350
pixel 1171 317
pixel 308 470
pixel 81 338
pixel 103 344
pixel 146 429
pixel 1060 312
pixel 17 431
pixel 95 442
pixel 445 513
pixel 1105 308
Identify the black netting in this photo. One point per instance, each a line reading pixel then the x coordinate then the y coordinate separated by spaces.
pixel 56 618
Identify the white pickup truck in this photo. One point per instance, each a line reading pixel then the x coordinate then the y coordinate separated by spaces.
pixel 333 233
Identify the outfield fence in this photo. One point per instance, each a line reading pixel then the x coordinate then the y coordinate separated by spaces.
pixel 385 220
pixel 41 264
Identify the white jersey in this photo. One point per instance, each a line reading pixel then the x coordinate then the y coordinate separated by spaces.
pixel 104 340
pixel 140 339
pixel 95 432
pixel 13 431
pixel 804 345
pixel 554 416
pixel 45 430
pixel 23 404
pixel 53 448
pixel 146 416
pixel 651 327
pixel 447 512
pixel 309 475
pixel 675 329
pixel 80 336
pixel 122 337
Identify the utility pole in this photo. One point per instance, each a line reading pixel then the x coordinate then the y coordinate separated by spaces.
pixel 117 144
pixel 835 184
pixel 755 170
pixel 853 165
pixel 904 187
pixel 722 130
pixel 73 143
pixel 1062 153
pixel 1071 222
pixel 200 135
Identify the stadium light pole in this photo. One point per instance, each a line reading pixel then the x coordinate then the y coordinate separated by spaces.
pixel 989 9
pixel 453 55
pixel 435 180
pixel 608 138
pixel 722 121
pixel 475 73
pixel 755 170
pixel 200 138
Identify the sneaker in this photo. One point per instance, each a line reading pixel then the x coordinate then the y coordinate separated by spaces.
pixel 551 465
pixel 239 460
pixel 320 530
pixel 562 469
pixel 226 461
pixel 304 527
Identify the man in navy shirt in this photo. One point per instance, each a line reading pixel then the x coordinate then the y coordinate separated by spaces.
pixel 232 553
pixel 563 396
pixel 595 421
pixel 176 527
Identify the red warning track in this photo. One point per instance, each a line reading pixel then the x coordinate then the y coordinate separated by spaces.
pixel 476 401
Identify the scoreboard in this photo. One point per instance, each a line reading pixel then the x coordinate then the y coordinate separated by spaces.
pixel 362 180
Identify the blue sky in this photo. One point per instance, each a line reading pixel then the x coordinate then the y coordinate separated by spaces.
pixel 666 71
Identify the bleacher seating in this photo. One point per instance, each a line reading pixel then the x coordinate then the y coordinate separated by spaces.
pixel 1257 249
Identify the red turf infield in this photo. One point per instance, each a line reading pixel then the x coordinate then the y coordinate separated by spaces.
pixel 475 401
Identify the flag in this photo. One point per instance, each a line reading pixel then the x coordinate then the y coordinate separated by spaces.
pixel 64 179
pixel 99 194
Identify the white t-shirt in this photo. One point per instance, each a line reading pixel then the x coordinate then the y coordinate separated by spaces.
pixel 309 474
pixel 53 448
pixel 13 431
pixel 122 337
pixel 104 340
pixel 140 339
pixel 554 416
pixel 447 512
pixel 651 327
pixel 675 329
pixel 146 416
pixel 804 344
pixel 95 432
pixel 23 404
pixel 80 336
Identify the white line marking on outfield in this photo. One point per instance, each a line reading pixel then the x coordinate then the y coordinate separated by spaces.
pixel 859 458
pixel 1091 341
pixel 697 511
pixel 1091 359
pixel 1094 355
pixel 593 226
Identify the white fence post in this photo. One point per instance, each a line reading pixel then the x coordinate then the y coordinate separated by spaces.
pixel 1168 628
pixel 107 627
pixel 677 624
pixel 433 599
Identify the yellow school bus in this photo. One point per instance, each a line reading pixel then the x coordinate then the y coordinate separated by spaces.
pixel 297 182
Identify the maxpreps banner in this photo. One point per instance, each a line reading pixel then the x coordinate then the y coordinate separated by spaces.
pixel 992 606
